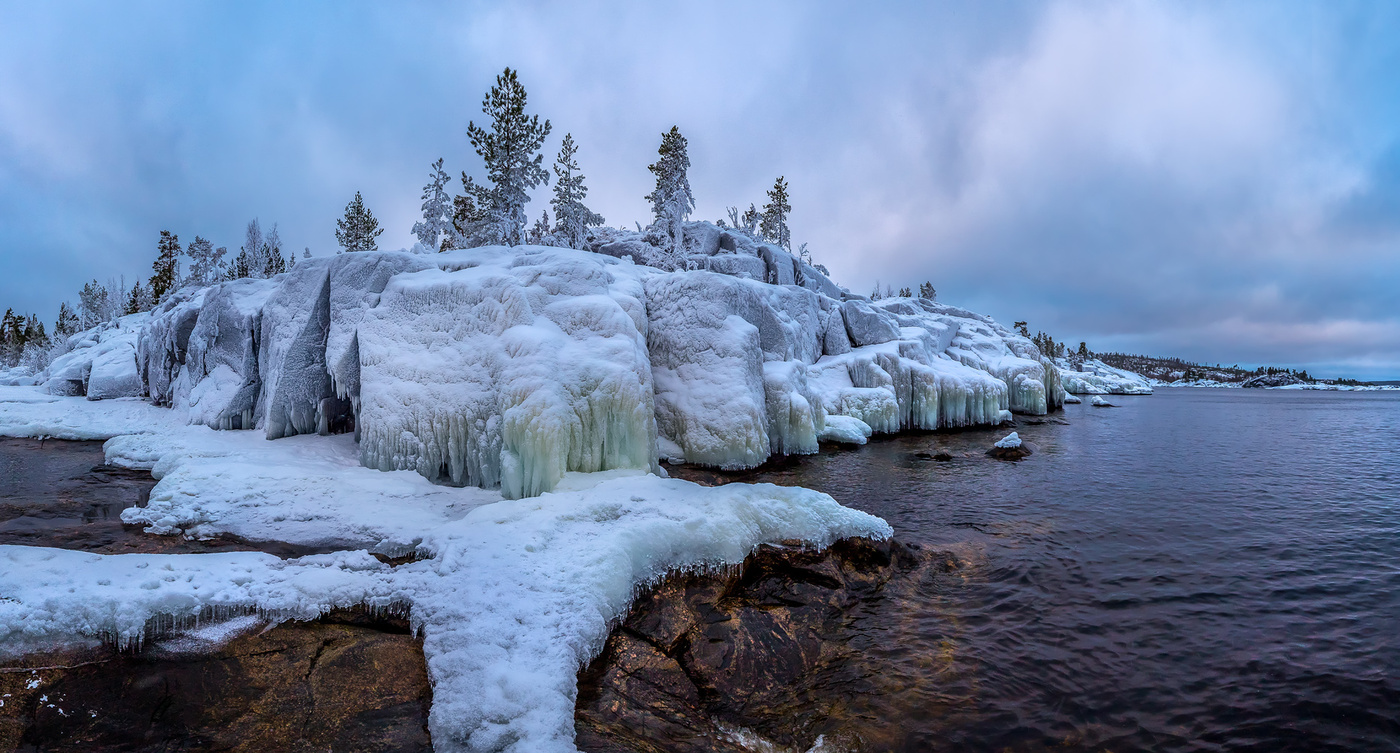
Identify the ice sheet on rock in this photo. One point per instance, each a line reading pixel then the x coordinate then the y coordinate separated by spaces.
pixel 163 345
pixel 867 325
pixel 796 417
pixel 356 281
pixel 292 354
pixel 1071 398
pixel 305 490
pixel 111 343
pixel 56 596
pixel 1009 441
pixel 32 412
pixel 219 384
pixel 523 593
pixel 845 430
pixel 508 367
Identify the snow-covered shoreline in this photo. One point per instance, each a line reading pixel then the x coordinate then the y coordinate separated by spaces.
pixel 500 413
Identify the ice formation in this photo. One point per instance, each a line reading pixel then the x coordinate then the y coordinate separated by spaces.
pixel 1010 441
pixel 500 412
pixel 1094 377
pixel 507 368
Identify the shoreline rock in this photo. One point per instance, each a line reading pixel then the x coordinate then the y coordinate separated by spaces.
pixel 703 654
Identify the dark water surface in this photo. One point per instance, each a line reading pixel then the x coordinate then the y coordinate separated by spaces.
pixel 1193 570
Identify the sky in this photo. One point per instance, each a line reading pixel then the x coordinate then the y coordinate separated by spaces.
pixel 1212 181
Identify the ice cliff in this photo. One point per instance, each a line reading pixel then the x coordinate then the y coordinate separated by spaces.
pixel 509 367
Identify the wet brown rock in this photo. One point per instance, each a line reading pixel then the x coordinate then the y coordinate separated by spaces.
pixel 349 682
pixel 1010 453
pixel 700 655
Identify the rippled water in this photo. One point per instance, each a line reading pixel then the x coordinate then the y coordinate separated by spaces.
pixel 1192 570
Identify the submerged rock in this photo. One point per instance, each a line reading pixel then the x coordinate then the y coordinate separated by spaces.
pixel 1010 447
pixel 702 655
pixel 347 682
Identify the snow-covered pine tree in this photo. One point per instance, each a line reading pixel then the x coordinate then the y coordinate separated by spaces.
pixel 904 292
pixel 92 305
pixel 67 322
pixel 206 263
pixel 138 300
pixel 358 229
pixel 926 291
pixel 166 266
pixel 775 213
pixel 571 218
pixel 539 232
pixel 469 214
pixel 436 230
pixel 253 253
pixel 671 201
pixel 514 165
pixel 273 262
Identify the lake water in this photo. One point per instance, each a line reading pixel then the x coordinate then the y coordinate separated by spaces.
pixel 1192 570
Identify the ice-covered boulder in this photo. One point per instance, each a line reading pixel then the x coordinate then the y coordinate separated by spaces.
pixel 356 281
pixel 219 384
pixel 296 385
pixel 108 354
pixel 161 348
pixel 508 366
pixel 1094 377
pixel 867 325
pixel 738 265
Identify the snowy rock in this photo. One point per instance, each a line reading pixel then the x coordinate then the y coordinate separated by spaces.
pixel 114 374
pixel 220 381
pixel 1010 447
pixel 701 238
pixel 109 346
pixel 796 417
pixel 1072 399
pixel 845 430
pixel 356 281
pixel 1282 379
pixel 782 269
pixel 738 265
pixel 867 325
pixel 1094 377
pixel 509 366
pixel 644 254
pixel 1098 402
pixel 292 357
pixel 162 346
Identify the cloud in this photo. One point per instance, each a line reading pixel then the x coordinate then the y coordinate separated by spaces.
pixel 1218 182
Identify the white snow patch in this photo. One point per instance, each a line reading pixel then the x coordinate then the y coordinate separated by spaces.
pixel 1010 441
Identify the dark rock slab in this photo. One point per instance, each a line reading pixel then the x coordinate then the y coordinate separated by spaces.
pixel 348 682
pixel 701 655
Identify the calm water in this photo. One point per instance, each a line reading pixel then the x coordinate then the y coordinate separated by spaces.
pixel 1192 570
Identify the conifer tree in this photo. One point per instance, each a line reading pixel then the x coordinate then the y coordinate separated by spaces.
pixel 166 266
pixel 138 300
pixel 252 254
pixel 93 304
pixel 905 293
pixel 671 200
pixel 571 218
pixel 775 213
pixel 206 262
pixel 435 230
pixel 926 291
pixel 358 229
pixel 539 233
pixel 67 323
pixel 273 262
pixel 514 165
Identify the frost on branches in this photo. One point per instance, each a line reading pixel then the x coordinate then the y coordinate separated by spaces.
pixel 671 200
pixel 436 231
pixel 514 166
pixel 571 218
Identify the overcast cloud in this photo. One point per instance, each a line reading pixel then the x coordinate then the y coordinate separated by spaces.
pixel 1219 182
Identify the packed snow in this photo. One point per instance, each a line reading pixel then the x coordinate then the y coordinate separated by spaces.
pixel 1098 402
pixel 499 413
pixel 1010 441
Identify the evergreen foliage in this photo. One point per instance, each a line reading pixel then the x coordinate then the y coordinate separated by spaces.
pixel 206 262
pixel 93 304
pixel 436 229
pixel 514 166
pixel 671 200
pixel 905 293
pixel 138 300
pixel 67 322
pixel 571 218
pixel 166 266
pixel 539 232
pixel 357 230
pixel 926 291
pixel 773 224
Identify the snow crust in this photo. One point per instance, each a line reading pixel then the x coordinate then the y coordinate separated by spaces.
pixel 32 412
pixel 1010 441
pixel 101 362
